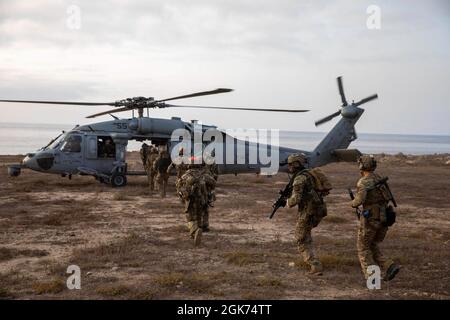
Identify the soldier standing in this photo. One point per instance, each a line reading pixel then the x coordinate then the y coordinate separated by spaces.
pixel 373 224
pixel 160 166
pixel 144 154
pixel 311 209
pixel 152 154
pixel 194 188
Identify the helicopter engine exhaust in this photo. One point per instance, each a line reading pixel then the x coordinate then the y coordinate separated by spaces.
pixel 152 125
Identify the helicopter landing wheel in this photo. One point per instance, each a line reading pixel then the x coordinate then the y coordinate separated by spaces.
pixel 118 180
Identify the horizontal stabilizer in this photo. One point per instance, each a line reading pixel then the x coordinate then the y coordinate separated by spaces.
pixel 347 155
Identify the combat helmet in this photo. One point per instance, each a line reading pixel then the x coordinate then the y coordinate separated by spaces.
pixel 367 163
pixel 297 157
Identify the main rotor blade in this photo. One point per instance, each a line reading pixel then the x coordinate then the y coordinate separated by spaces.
pixel 229 108
pixel 109 111
pixel 341 91
pixel 63 102
pixel 328 118
pixel 369 98
pixel 197 94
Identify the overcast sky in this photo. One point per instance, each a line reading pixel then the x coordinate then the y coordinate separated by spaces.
pixel 275 53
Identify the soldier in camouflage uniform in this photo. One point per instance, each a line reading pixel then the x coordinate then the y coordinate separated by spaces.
pixel 308 207
pixel 372 229
pixel 160 166
pixel 213 170
pixel 194 188
pixel 144 154
pixel 152 154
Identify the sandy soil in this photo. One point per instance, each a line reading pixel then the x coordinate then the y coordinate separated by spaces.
pixel 133 245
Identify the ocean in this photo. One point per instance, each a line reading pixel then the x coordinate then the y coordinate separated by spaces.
pixel 21 138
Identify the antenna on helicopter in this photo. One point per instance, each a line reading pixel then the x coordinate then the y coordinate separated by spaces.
pixel 347 110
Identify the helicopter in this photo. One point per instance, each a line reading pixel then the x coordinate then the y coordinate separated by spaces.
pixel 99 149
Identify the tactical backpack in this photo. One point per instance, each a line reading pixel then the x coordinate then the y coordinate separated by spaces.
pixel 320 186
pixel 195 184
pixel 321 183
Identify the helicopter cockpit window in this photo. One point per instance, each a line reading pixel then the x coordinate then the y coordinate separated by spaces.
pixel 57 142
pixel 72 143
pixel 106 148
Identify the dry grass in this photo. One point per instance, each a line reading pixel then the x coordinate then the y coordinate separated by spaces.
pixel 11 253
pixel 5 294
pixel 244 257
pixel 180 228
pixel 330 261
pixel 53 287
pixel 241 258
pixel 123 253
pixel 335 219
pixel 119 196
pixel 112 290
pixel 169 280
pixel 269 281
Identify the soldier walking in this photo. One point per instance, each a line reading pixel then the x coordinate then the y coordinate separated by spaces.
pixel 144 154
pixel 160 166
pixel 195 188
pixel 152 154
pixel 374 220
pixel 311 209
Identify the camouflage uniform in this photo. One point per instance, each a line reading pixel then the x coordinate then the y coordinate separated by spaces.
pixel 160 166
pixel 211 165
pixel 307 213
pixel 214 170
pixel 372 229
pixel 194 188
pixel 151 173
pixel 144 154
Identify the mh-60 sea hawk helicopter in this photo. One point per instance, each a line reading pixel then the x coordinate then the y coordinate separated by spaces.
pixel 99 149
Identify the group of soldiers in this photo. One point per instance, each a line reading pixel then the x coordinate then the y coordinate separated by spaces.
pixel 195 184
pixel 372 220
pixel 156 161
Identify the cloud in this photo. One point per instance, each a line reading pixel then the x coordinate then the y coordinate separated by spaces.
pixel 275 53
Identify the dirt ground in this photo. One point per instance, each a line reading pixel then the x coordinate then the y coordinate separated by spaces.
pixel 133 245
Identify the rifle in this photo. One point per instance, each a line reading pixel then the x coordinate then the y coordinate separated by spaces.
pixel 357 211
pixel 382 181
pixel 284 194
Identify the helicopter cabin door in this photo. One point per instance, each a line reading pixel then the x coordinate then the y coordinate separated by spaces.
pixel 100 153
pixel 91 147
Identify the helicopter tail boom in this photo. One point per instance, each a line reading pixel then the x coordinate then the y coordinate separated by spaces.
pixel 330 149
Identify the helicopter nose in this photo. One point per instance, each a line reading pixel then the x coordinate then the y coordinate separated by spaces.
pixel 30 161
pixel 38 161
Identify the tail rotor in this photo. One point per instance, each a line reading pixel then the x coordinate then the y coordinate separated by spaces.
pixel 346 110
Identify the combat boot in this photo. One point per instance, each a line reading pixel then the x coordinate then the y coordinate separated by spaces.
pixel 391 272
pixel 198 237
pixel 316 268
